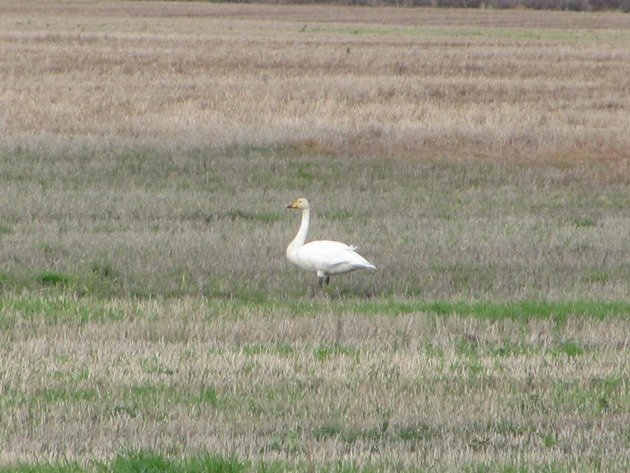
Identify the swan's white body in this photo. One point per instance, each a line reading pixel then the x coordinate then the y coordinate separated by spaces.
pixel 323 257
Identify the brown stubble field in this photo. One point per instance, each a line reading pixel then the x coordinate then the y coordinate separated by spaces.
pixel 479 158
pixel 447 84
pixel 310 388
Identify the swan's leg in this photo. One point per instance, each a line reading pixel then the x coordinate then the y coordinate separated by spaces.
pixel 321 279
pixel 326 280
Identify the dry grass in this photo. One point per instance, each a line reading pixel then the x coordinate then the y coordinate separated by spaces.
pixel 262 383
pixel 412 82
pixel 149 223
pixel 147 150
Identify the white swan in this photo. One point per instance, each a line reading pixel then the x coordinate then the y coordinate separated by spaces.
pixel 323 257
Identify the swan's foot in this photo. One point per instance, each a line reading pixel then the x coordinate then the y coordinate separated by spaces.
pixel 323 281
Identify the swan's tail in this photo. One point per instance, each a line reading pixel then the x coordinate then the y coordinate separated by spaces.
pixel 367 265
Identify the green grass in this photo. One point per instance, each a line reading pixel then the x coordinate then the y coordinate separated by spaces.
pixel 57 467
pixel 558 311
pixel 525 309
pixel 131 400
pixel 325 352
pixel 66 395
pixel 103 269
pixel 54 309
pixel 259 348
pixel 54 278
pixel 569 348
pixel 436 229
pixel 151 462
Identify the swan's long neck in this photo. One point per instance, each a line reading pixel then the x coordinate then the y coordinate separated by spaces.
pixel 300 238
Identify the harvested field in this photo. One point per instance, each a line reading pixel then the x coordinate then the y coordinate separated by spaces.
pixel 149 319
pixel 404 82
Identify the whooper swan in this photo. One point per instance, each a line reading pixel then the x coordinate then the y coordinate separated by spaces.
pixel 324 257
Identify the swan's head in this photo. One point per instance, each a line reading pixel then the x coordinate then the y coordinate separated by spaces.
pixel 300 204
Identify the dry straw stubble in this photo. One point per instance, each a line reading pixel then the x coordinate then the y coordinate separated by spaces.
pixel 472 155
pixel 416 390
pixel 420 83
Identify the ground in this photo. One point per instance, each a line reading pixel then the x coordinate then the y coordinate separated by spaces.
pixel 150 320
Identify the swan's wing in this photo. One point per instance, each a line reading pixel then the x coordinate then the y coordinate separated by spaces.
pixel 329 245
pixel 332 256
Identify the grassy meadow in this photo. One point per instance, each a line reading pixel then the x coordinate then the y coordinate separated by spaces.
pixel 149 320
